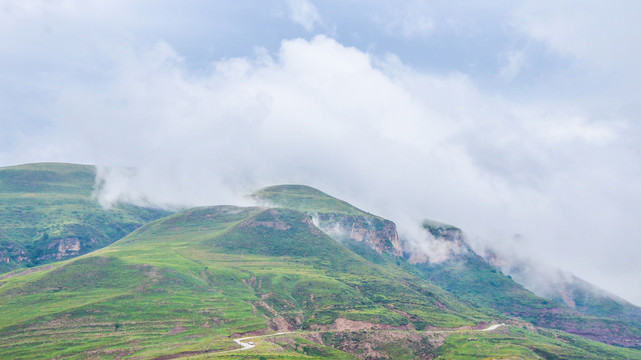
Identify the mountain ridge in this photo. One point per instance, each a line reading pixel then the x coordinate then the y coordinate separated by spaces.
pixel 286 275
pixel 449 261
pixel 188 283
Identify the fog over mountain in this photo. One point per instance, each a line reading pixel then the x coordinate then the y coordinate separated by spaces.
pixel 517 122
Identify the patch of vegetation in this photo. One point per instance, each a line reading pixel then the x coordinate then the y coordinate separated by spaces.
pixel 306 199
pixel 596 302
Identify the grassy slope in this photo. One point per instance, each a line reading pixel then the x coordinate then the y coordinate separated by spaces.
pixel 43 204
pixel 591 300
pixel 472 278
pixel 480 284
pixel 517 343
pixel 306 199
pixel 188 282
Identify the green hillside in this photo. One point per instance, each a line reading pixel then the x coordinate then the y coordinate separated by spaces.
pixel 481 285
pixel 465 274
pixel 187 285
pixel 518 343
pixel 591 300
pixel 188 282
pixel 47 213
pixel 569 290
pixel 306 199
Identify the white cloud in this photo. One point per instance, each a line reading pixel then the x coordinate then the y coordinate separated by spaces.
pixel 415 25
pixel 601 36
pixel 409 20
pixel 514 62
pixel 304 13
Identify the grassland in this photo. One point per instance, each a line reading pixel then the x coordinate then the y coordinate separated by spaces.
pixel 590 300
pixel 517 343
pixel 190 281
pixel 340 220
pixel 306 199
pixel 48 213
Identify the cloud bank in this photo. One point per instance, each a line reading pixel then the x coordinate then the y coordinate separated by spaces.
pixel 561 169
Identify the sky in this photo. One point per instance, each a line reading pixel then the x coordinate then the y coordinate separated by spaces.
pixel 518 121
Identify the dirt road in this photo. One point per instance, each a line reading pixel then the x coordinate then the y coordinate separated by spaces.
pixel 246 345
pixel 250 344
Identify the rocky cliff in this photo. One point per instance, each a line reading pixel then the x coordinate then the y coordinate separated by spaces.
pixel 379 234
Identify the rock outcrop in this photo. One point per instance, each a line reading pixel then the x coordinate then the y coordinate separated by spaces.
pixel 377 233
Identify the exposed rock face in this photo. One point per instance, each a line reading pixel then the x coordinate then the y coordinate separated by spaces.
pixel 379 234
pixel 13 253
pixel 16 255
pixel 66 247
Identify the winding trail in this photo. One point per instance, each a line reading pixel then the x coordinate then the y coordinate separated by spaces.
pixel 246 345
pixel 249 345
pixel 493 327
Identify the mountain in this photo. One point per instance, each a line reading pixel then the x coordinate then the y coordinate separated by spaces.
pixel 191 280
pixel 200 282
pixel 589 299
pixel 453 265
pixel 567 289
pixel 48 213
pixel 480 284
